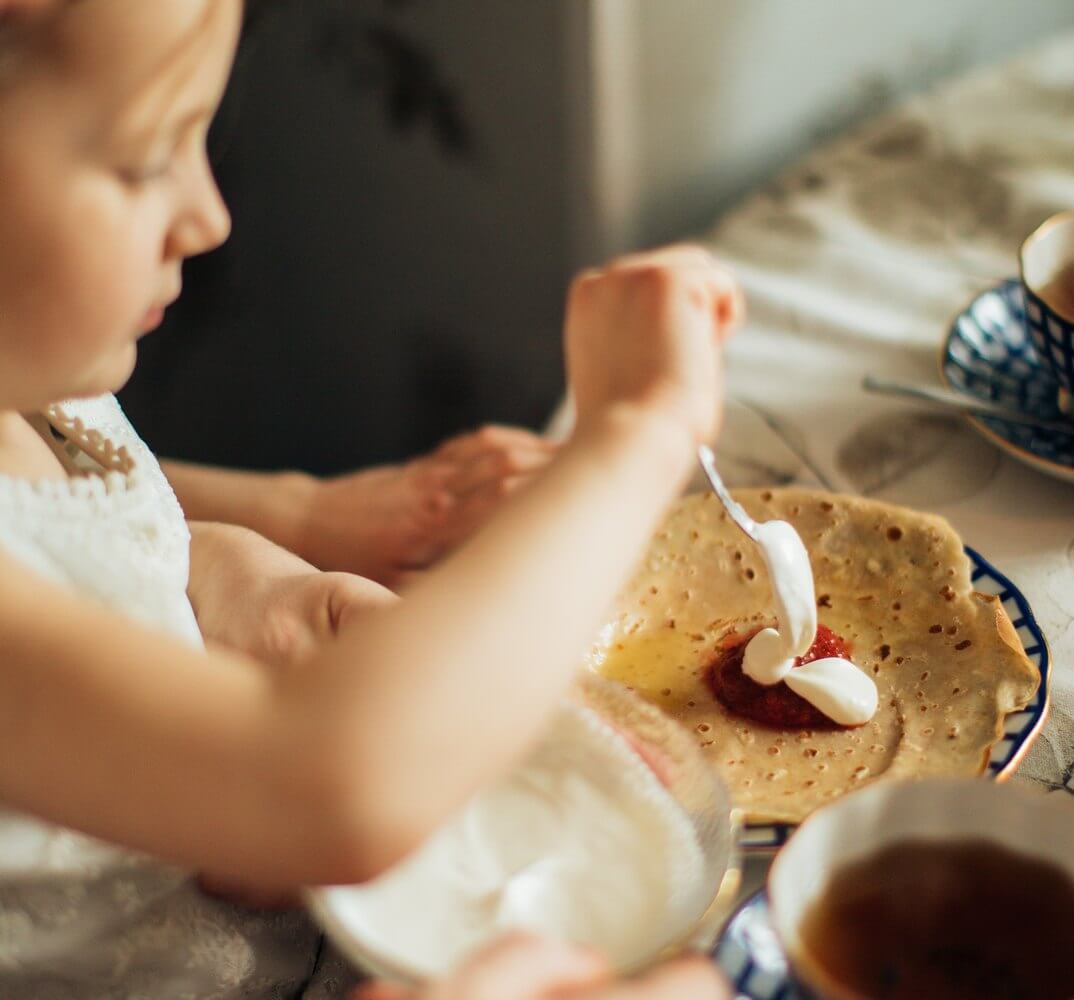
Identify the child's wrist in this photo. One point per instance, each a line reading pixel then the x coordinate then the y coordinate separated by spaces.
pixel 289 507
pixel 658 430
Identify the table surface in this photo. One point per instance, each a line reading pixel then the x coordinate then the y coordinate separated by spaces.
pixel 855 261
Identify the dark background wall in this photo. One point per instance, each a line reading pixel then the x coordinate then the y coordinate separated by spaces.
pixel 413 181
pixel 397 264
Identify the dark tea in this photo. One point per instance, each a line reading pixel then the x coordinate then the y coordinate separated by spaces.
pixel 947 920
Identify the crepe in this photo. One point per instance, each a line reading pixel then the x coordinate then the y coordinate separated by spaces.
pixel 893 582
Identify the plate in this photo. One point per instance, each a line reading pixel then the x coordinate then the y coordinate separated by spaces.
pixel 1020 729
pixel 988 354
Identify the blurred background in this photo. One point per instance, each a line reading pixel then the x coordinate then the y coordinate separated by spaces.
pixel 414 181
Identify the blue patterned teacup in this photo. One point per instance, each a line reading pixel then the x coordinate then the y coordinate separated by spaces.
pixel 1047 262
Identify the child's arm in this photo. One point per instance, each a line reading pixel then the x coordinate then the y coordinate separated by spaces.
pixel 383 523
pixel 255 597
pixel 334 771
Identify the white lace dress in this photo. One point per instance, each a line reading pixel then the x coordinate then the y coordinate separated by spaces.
pixel 80 918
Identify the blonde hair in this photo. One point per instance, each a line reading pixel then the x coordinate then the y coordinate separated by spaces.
pixel 29 30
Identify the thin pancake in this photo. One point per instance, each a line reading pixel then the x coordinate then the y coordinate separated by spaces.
pixel 893 582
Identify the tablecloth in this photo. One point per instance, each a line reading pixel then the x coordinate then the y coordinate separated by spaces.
pixel 855 261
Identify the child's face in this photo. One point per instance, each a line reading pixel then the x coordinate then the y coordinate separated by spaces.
pixel 104 185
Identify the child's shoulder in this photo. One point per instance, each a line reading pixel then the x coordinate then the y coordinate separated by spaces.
pixel 107 525
pixel 24 450
pixel 69 438
pixel 79 460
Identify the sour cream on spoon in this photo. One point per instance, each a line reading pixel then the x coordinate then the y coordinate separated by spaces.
pixel 834 686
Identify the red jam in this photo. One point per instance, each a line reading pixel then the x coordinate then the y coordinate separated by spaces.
pixel 827 644
pixel 774 705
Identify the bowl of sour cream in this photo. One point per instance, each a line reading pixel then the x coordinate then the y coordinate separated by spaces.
pixel 613 833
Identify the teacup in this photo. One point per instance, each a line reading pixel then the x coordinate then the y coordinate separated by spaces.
pixel 860 889
pixel 1047 267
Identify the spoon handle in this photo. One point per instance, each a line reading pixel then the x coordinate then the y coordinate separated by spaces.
pixel 738 514
pixel 962 403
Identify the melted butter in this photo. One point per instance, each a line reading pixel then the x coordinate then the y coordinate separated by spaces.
pixel 662 666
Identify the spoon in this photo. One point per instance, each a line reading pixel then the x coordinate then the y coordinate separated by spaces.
pixel 962 403
pixel 708 462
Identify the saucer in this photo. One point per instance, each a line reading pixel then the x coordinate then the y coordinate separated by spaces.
pixel 988 354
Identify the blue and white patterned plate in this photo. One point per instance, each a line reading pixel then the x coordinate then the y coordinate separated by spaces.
pixel 988 354
pixel 751 956
pixel 1020 728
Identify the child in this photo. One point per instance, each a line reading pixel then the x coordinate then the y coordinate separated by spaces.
pixel 387 523
pixel 132 753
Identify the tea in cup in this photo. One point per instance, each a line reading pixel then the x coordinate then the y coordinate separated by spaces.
pixel 931 889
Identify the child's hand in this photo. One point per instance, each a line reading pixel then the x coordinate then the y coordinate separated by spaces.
pixel 646 330
pixel 391 521
pixel 527 968
pixel 252 596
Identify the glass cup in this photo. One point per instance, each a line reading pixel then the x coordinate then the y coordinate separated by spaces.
pixel 694 786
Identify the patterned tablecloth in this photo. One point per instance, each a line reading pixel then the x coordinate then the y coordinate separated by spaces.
pixel 856 261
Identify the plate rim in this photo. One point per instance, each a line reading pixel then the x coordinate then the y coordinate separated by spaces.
pixel 755 897
pixel 1029 619
pixel 781 832
pixel 1016 451
pixel 740 979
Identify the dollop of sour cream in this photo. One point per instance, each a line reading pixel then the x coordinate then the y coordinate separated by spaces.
pixel 834 686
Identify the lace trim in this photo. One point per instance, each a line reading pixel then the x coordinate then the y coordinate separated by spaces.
pixel 90 441
pixel 120 479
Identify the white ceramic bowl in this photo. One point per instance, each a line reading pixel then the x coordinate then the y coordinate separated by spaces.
pixel 858 825
pixel 699 792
